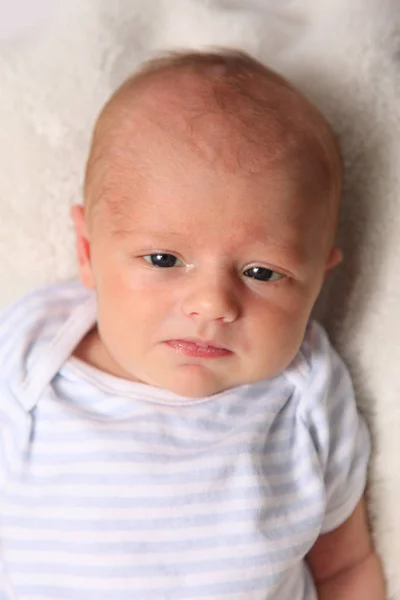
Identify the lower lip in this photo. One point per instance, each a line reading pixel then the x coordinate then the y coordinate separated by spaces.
pixel 192 349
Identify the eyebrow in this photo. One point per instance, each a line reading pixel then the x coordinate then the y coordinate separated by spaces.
pixel 148 233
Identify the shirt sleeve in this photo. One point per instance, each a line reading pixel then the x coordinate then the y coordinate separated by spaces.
pixel 338 431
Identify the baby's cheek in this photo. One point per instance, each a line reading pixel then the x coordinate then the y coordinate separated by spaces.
pixel 280 333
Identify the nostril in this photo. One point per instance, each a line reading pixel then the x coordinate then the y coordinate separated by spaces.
pixel 207 308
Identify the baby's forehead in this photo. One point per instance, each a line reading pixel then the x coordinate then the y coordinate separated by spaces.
pixel 238 121
pixel 238 124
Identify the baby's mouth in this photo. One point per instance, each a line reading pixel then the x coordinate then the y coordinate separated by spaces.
pixel 198 348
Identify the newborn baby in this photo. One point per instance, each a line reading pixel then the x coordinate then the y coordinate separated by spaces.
pixel 176 426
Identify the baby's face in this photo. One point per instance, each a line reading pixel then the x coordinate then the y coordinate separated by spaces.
pixel 205 277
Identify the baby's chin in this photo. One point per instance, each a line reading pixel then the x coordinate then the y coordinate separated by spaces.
pixel 195 381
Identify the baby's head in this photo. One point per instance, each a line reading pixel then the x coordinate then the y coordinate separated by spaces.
pixel 211 199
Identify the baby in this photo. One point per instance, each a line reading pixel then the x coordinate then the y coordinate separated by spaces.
pixel 178 427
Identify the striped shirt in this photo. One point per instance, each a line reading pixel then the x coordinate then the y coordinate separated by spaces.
pixel 116 490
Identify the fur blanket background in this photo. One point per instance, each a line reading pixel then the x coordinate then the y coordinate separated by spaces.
pixel 60 60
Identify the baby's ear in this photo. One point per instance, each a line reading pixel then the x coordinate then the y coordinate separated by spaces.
pixel 335 258
pixel 82 245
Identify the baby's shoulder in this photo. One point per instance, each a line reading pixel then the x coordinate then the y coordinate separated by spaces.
pixel 316 353
pixel 316 345
pixel 317 372
pixel 32 320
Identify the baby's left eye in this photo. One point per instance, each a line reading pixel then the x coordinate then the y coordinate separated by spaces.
pixel 263 274
pixel 162 260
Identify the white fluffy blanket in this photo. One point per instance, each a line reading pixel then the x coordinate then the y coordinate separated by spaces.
pixel 58 65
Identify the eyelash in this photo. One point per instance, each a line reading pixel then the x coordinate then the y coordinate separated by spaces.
pixel 272 275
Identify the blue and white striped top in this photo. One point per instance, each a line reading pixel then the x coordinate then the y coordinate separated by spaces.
pixel 115 490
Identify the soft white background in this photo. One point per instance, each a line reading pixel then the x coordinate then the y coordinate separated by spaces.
pixel 60 60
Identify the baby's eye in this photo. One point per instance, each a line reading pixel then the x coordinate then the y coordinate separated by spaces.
pixel 263 274
pixel 162 260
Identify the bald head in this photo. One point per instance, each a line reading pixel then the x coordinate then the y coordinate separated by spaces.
pixel 225 108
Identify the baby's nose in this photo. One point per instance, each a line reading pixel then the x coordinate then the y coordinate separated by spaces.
pixel 212 301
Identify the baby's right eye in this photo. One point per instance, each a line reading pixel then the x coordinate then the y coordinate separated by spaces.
pixel 162 260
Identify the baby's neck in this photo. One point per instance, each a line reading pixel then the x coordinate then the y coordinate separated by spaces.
pixel 91 350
